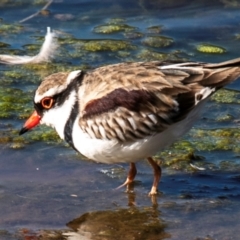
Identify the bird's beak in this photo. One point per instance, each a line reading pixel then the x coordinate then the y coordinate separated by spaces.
pixel 32 122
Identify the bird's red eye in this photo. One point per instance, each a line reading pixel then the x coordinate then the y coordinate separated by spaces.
pixel 47 102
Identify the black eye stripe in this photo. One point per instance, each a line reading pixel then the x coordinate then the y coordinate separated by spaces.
pixel 38 107
pixel 60 98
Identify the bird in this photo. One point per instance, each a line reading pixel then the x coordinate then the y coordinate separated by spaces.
pixel 126 112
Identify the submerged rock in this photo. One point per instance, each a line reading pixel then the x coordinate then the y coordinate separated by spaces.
pixel 133 35
pixel 120 224
pixel 157 41
pixel 154 29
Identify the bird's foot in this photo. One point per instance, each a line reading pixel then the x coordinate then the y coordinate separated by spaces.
pixel 153 191
pixel 127 183
pixel 131 175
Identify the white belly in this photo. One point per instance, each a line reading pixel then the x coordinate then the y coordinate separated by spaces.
pixel 112 151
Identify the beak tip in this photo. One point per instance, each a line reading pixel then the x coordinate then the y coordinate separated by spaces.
pixel 23 130
pixel 32 121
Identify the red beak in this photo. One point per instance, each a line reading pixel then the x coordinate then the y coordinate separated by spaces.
pixel 32 122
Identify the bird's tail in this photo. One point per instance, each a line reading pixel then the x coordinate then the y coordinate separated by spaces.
pixel 218 75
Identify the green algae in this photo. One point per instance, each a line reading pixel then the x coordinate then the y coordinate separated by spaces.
pixel 96 45
pixel 6 29
pixel 178 156
pixel 157 41
pixel 113 28
pixel 44 69
pixel 216 139
pixel 18 76
pixel 12 51
pixel 5 139
pixel 148 55
pixel 123 54
pixel 10 136
pixel 44 134
pixel 14 74
pixel 114 25
pixel 12 101
pixel 17 145
pixel 32 47
pixel 226 96
pixel 68 39
pixel 106 45
pixel 209 48
pixel 183 152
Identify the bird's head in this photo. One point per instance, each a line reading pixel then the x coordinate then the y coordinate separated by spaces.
pixel 53 101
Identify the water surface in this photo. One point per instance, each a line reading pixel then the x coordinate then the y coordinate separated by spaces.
pixel 46 188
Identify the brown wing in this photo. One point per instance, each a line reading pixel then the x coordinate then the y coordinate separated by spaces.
pixel 132 100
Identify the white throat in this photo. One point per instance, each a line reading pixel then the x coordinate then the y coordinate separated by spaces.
pixel 58 116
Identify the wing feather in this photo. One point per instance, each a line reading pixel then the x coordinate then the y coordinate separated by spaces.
pixel 129 101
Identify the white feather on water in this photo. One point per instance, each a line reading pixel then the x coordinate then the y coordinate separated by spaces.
pixel 46 53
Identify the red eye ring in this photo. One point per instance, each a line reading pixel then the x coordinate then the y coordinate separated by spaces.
pixel 47 102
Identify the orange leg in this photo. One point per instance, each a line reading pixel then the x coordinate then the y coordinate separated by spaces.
pixel 131 175
pixel 157 171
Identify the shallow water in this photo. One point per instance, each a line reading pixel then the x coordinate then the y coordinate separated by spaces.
pixel 47 189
